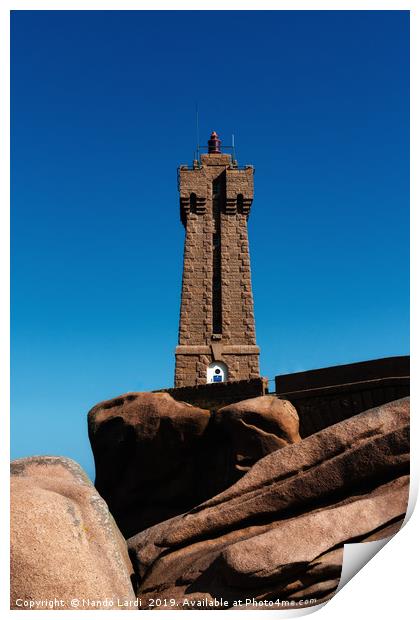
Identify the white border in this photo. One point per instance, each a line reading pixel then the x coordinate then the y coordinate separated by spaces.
pixel 387 586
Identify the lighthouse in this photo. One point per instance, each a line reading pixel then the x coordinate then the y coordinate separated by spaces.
pixel 216 340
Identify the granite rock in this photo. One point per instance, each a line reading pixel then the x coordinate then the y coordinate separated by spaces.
pixel 278 533
pixel 156 457
pixel 64 542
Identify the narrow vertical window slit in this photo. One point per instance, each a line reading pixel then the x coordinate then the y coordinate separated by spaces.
pixel 217 260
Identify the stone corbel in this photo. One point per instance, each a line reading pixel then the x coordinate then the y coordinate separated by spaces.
pixel 198 205
pixel 216 351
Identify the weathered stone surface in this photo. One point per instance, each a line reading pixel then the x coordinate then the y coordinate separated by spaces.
pixel 278 533
pixel 64 542
pixel 217 308
pixel 156 457
pixel 146 447
pixel 256 427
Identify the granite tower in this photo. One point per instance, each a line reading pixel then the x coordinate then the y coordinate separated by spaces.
pixel 217 327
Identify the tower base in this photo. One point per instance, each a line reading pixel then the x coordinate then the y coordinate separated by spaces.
pixel 192 362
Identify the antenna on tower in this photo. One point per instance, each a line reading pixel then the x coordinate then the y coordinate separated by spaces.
pixel 233 148
pixel 197 156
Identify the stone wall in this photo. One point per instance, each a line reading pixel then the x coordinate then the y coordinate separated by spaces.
pixel 212 396
pixel 326 396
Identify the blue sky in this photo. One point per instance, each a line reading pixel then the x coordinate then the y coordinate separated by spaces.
pixel 103 112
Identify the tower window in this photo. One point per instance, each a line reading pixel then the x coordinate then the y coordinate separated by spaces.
pixel 193 202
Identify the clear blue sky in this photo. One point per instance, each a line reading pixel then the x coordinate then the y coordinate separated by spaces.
pixel 103 112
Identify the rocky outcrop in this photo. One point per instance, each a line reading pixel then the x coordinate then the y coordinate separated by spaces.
pixel 64 542
pixel 156 457
pixel 278 533
pixel 256 427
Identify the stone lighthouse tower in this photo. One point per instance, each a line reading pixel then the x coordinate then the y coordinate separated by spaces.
pixel 217 327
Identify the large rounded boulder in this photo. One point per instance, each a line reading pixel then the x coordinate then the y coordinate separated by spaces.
pixel 146 447
pixel 256 427
pixel 66 549
pixel 156 457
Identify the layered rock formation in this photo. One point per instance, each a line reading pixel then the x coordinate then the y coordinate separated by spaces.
pixel 156 457
pixel 265 518
pixel 64 542
pixel 256 427
pixel 278 533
